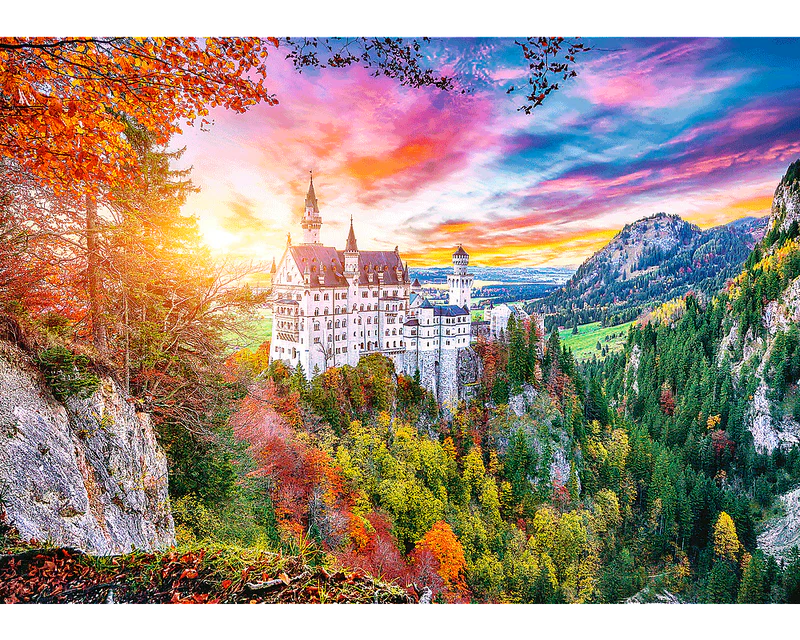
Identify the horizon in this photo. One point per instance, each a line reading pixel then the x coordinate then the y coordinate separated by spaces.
pixel 701 128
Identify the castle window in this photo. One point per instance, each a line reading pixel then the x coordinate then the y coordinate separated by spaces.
pixel 374 294
pixel 327 297
pixel 326 311
pixel 316 326
pixel 316 312
pixel 363 294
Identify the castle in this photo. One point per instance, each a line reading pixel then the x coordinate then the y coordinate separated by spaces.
pixel 331 307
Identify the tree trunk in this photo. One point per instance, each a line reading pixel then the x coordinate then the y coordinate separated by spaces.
pixel 98 327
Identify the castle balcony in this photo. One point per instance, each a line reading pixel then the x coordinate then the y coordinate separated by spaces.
pixel 288 336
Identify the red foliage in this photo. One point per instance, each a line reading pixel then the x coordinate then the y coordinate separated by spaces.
pixel 308 488
pixel 721 443
pixel 379 554
pixel 667 401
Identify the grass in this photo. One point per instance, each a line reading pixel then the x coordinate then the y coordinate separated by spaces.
pixel 584 343
pixel 258 329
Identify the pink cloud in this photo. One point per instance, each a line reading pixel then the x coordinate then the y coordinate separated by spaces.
pixel 661 76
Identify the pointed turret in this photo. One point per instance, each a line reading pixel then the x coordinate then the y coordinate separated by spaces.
pixel 273 269
pixel 351 252
pixel 312 221
pixel 351 238
pixel 311 197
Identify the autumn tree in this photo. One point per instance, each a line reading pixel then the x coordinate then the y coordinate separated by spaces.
pixel 726 542
pixel 443 545
pixel 67 102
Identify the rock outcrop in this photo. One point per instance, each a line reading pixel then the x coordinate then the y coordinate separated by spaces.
pixel 786 203
pixel 87 473
pixel 783 533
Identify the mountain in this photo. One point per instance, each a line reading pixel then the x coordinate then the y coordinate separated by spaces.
pixel 650 261
pixel 717 380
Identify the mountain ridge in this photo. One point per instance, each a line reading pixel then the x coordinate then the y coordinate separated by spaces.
pixel 649 261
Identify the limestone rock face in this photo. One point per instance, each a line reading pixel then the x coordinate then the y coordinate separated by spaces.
pixel 785 204
pixel 783 533
pixel 87 473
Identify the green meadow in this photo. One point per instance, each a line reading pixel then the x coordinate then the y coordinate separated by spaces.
pixel 257 330
pixel 584 343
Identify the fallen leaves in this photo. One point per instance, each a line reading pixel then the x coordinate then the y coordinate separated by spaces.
pixel 193 577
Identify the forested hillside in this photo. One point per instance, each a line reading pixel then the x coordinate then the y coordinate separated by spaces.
pixel 651 260
pixel 668 471
pixel 645 476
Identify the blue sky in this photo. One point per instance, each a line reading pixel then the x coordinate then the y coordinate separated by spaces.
pixel 703 128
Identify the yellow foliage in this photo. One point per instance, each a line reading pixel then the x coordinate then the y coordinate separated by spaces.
pixel 726 541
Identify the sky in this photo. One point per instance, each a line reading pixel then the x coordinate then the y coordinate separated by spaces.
pixel 702 128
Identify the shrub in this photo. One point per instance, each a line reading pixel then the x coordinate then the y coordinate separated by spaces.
pixel 67 374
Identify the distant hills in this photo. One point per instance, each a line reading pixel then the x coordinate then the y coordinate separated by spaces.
pixel 650 261
pixel 501 284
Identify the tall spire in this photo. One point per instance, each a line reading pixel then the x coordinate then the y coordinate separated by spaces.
pixel 311 197
pixel 351 238
pixel 312 221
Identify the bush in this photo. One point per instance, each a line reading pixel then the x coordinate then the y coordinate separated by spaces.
pixel 66 373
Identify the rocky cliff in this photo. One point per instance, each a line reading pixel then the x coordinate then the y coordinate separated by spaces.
pixel 86 473
pixel 786 203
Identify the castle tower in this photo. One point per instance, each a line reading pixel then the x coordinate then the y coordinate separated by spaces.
pixel 351 252
pixel 312 221
pixel 460 282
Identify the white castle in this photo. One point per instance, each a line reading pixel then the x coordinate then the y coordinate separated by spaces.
pixel 331 307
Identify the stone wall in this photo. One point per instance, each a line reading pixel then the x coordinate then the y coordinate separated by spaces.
pixel 87 473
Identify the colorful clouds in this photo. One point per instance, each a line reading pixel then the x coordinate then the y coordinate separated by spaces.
pixel 701 128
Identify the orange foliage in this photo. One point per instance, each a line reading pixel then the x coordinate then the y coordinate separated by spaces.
pixel 443 546
pixel 308 487
pixel 377 552
pixel 63 98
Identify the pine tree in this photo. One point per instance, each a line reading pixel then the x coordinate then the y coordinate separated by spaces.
pixel 751 589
